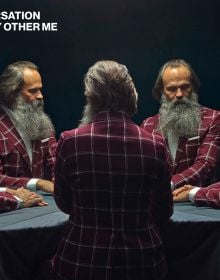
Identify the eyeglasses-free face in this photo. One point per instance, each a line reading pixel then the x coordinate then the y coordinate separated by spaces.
pixel 176 83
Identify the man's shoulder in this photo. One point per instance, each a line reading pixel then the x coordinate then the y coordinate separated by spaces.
pixel 5 122
pixel 209 111
pixel 70 135
pixel 150 121
pixel 209 115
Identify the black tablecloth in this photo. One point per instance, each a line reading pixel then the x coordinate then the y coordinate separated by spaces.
pixel 192 241
pixel 30 236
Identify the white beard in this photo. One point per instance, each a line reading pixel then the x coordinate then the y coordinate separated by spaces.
pixel 32 118
pixel 182 117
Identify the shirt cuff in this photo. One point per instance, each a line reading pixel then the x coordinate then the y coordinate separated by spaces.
pixel 172 186
pixel 19 201
pixel 192 193
pixel 3 189
pixel 31 184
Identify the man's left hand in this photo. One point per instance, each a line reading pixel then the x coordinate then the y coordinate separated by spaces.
pixel 182 194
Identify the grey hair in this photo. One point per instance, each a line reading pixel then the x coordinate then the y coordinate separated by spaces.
pixel 108 86
pixel 12 81
pixel 174 63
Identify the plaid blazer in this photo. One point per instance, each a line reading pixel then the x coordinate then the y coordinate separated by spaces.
pixel 15 167
pixel 197 159
pixel 209 196
pixel 111 177
pixel 7 202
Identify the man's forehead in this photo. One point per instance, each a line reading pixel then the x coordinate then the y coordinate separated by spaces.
pixel 176 73
pixel 31 76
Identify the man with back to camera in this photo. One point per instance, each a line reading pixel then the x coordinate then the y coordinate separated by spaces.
pixel 112 178
pixel 191 132
pixel 27 142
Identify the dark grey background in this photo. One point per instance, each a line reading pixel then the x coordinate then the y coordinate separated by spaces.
pixel 141 34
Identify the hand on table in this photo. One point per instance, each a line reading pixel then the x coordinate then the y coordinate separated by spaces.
pixel 29 198
pixel 45 185
pixel 182 194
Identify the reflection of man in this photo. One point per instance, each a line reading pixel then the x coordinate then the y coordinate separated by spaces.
pixel 209 196
pixel 12 199
pixel 191 132
pixel 26 145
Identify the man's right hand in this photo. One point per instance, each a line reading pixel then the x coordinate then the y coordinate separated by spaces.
pixel 45 185
pixel 29 198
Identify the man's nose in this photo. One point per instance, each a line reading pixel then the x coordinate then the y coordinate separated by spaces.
pixel 179 93
pixel 39 95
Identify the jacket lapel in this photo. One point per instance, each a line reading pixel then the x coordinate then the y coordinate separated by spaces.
pixel 10 132
pixel 158 133
pixel 179 151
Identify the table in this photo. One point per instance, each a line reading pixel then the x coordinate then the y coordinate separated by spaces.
pixel 30 236
pixel 192 242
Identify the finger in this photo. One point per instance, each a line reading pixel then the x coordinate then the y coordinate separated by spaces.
pixel 178 198
pixel 42 203
pixel 36 201
pixel 175 199
pixel 178 191
pixel 34 195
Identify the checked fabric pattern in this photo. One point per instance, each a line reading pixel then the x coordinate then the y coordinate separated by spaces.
pixel 112 178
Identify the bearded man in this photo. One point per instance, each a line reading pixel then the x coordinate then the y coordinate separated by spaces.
pixel 27 142
pixel 190 131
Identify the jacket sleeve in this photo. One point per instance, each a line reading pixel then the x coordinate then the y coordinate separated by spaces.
pixel 7 202
pixel 209 196
pixel 9 160
pixel 65 168
pixel 207 157
pixel 162 201
pixel 50 157
pixel 14 182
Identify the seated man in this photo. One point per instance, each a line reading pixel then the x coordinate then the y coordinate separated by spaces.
pixel 27 143
pixel 190 131
pixel 11 199
pixel 209 196
pixel 112 178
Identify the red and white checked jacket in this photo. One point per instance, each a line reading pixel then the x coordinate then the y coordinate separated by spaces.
pixel 209 196
pixel 112 178
pixel 15 167
pixel 197 159
pixel 7 202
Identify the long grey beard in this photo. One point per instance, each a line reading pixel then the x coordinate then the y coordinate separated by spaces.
pixel 32 118
pixel 87 115
pixel 182 117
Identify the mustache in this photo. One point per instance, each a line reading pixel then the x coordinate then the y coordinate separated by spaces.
pixel 21 104
pixel 37 106
pixel 179 102
pixel 37 103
